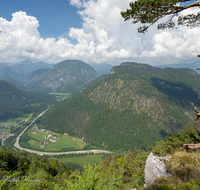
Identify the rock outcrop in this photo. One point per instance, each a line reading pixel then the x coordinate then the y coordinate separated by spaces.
pixel 155 168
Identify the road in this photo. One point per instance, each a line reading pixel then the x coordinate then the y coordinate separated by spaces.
pixel 6 138
pixel 52 153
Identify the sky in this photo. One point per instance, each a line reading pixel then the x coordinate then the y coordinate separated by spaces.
pixel 89 30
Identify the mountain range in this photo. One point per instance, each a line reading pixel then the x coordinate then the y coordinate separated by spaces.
pixel 193 66
pixel 23 67
pixel 66 76
pixel 134 105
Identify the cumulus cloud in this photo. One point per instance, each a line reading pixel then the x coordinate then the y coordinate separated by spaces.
pixel 76 3
pixel 181 43
pixel 104 37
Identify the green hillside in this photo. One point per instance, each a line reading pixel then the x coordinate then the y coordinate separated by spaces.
pixel 18 84
pixel 134 105
pixel 15 103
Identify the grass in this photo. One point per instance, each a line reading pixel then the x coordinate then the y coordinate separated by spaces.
pixel 64 141
pixel 39 136
pixel 92 159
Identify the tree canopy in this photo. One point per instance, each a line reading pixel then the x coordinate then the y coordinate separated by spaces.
pixel 149 12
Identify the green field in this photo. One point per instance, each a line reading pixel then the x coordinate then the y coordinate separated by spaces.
pixel 92 159
pixel 64 141
pixel 60 96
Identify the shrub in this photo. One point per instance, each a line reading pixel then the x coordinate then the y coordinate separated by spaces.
pixel 175 142
pixel 185 170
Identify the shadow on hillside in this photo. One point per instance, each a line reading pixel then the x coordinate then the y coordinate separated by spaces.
pixel 163 133
pixel 179 92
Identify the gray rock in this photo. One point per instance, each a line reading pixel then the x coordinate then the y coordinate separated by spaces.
pixel 155 168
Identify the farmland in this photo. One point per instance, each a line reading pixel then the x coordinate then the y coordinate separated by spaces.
pixel 61 143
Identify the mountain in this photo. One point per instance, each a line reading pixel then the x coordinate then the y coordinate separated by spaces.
pixel 193 65
pixel 15 82
pixel 134 105
pixel 5 70
pixel 102 68
pixel 26 79
pixel 19 71
pixel 35 75
pixel 66 76
pixel 27 66
pixel 15 102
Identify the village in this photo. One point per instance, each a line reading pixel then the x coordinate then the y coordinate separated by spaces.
pixel 48 137
pixel 5 131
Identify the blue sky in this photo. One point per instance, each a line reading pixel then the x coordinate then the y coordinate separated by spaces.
pixel 89 30
pixel 55 17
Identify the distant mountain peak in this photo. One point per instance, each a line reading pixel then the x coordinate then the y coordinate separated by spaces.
pixel 26 61
pixel 66 76
pixel 70 62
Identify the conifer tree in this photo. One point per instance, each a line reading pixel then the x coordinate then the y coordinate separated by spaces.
pixel 148 12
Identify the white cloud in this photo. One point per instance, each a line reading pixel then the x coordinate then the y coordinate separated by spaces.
pixel 76 3
pixel 104 37
pixel 181 43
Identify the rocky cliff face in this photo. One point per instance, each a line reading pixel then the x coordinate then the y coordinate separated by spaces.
pixel 66 76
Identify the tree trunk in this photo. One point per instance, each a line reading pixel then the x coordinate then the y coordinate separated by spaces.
pixel 191 146
pixel 197 123
pixel 197 126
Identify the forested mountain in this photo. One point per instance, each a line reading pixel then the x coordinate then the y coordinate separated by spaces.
pixel 15 102
pixel 18 84
pixel 66 76
pixel 134 105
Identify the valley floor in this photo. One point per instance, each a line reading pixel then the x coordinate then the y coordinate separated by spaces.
pixel 52 153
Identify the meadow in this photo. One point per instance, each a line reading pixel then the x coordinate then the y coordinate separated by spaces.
pixel 63 142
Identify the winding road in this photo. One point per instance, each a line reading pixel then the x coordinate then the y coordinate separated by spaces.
pixel 52 153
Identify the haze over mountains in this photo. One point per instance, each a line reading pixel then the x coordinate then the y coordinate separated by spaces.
pixel 69 75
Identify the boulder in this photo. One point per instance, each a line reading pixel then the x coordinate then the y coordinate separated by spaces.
pixel 155 168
